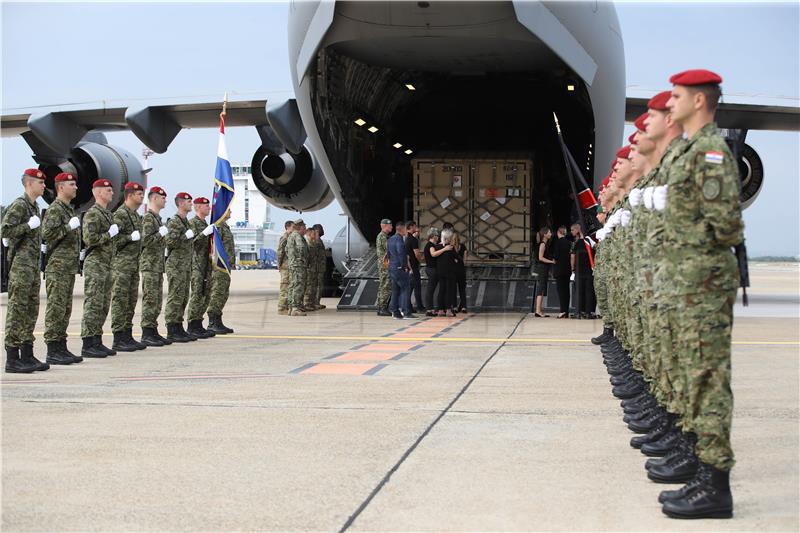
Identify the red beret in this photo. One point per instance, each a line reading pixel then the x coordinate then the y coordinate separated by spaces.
pixel 201 200
pixel 183 196
pixel 659 101
pixel 133 186
pixel 34 173
pixel 695 77
pixel 101 183
pixel 158 190
pixel 639 122
pixel 632 138
pixel 65 176
pixel 624 152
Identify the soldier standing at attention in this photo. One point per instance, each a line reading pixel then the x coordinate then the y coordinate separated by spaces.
pixel 221 280
pixel 310 290
pixel 99 231
pixel 322 266
pixel 283 268
pixel 297 257
pixel 384 284
pixel 60 229
pixel 128 246
pixel 21 236
pixel 151 264
pixel 201 269
pixel 702 221
pixel 178 266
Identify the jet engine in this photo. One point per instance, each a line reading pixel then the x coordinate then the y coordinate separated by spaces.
pixel 290 181
pixel 751 174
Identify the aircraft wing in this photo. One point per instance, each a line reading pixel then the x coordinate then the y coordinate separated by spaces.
pixel 736 116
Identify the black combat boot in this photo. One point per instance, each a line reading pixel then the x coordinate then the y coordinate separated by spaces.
pixel 681 468
pixel 640 405
pixel 26 354
pixel 91 348
pixel 99 340
pixel 607 335
pixel 150 337
pixel 55 356
pixel 649 422
pixel 629 390
pixel 63 345
pixel 189 335
pixel 384 312
pixel 121 343
pixel 15 365
pixel 164 340
pixel 709 497
pixel 215 324
pixel 175 333
pixel 662 446
pixel 195 327
pixel 134 342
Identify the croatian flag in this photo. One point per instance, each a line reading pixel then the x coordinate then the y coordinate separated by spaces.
pixel 223 197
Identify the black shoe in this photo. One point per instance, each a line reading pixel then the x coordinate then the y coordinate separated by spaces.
pixel 175 333
pixel 189 335
pixel 15 365
pixel 163 339
pixel 384 312
pixel 134 342
pixel 680 468
pixel 647 424
pixel 662 446
pixel 55 356
pixel 607 335
pixel 708 497
pixel 629 390
pixel 409 316
pixel 91 348
pixel 655 434
pixel 196 328
pixel 430 313
pixel 65 350
pixel 121 342
pixel 106 349
pixel 397 316
pixel 215 324
pixel 26 355
pixel 150 337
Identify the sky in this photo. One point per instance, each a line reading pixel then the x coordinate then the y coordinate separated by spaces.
pixel 140 52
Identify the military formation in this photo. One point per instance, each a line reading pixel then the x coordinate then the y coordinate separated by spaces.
pixel 114 251
pixel 302 263
pixel 666 281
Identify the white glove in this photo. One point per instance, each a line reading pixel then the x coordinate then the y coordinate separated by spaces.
pixel 572 277
pixel 162 231
pixel 648 197
pixel 5 242
pixel 209 230
pixel 135 236
pixel 613 220
pixel 113 230
pixel 625 217
pixel 43 247
pixel 189 234
pixel 660 197
pixel 590 241
pixel 166 252
pixel 635 197
pixel 82 255
pixel 34 222
pixel 74 223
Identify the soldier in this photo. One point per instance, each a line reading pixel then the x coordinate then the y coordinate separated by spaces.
pixel 310 291
pixel 178 267
pixel 384 285
pixel 201 269
pixel 151 264
pixel 60 231
pixel 322 267
pixel 297 257
pixel 283 268
pixel 21 236
pixel 99 232
pixel 127 246
pixel 702 221
pixel 221 280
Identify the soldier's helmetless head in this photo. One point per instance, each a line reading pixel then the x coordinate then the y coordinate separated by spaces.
pixel 202 210
pixel 184 205
pixel 656 125
pixel 67 190
pixel 33 186
pixel 103 194
pixel 135 198
pixel 157 200
pixel 687 101
pixel 288 225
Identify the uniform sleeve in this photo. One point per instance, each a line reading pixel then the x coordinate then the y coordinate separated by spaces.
pixel 175 233
pixel 150 233
pixel 282 250
pixel 719 189
pixel 199 241
pixel 53 227
pixel 125 229
pixel 93 234
pixel 15 221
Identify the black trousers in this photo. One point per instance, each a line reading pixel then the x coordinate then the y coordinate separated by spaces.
pixel 416 288
pixel 586 297
pixel 447 292
pixel 433 282
pixel 461 284
pixel 562 285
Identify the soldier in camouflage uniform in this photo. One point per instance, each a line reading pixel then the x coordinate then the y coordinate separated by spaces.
pixel 99 231
pixel 179 241
pixel 21 235
pixel 127 246
pixel 310 291
pixel 221 280
pixel 201 269
pixel 322 266
pixel 297 257
pixel 60 232
pixel 283 268
pixel 384 284
pixel 151 265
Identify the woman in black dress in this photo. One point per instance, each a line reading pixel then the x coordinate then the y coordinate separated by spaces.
pixel 461 273
pixel 446 270
pixel 431 252
pixel 543 261
pixel 562 269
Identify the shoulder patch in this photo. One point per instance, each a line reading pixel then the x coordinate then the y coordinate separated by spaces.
pixel 711 188
pixel 715 158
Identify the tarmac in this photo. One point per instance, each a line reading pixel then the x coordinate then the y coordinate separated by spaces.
pixel 350 421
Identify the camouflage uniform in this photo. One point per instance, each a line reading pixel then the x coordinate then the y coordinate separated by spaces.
pixel 23 277
pixel 702 221
pixel 283 268
pixel 96 269
pixel 384 286
pixel 151 265
pixel 63 260
pixel 125 269
pixel 601 268
pixel 297 257
pixel 312 275
pixel 220 279
pixel 322 266
pixel 178 269
pixel 201 271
